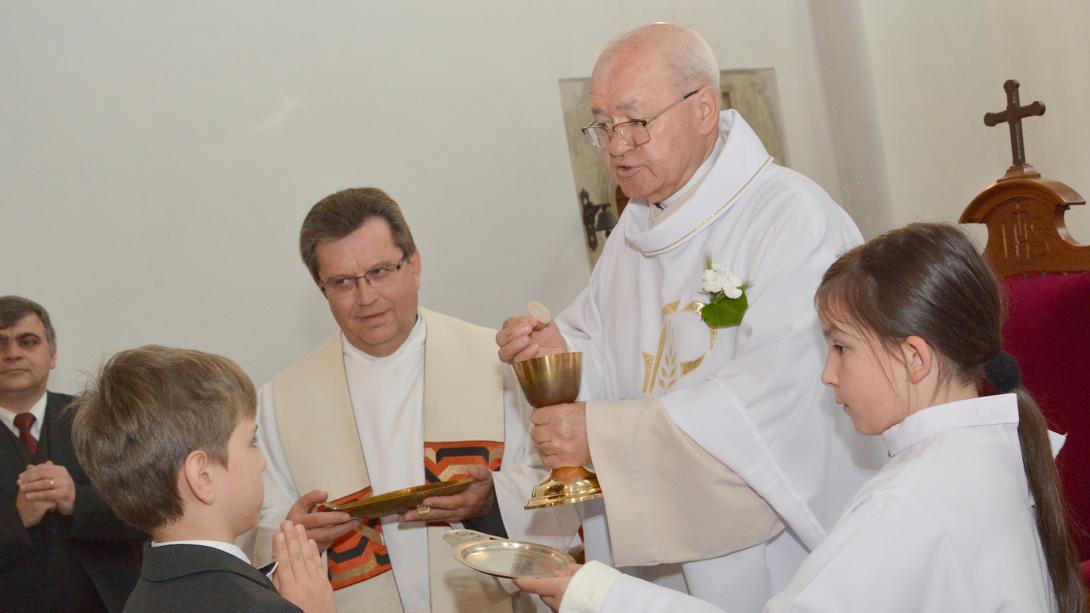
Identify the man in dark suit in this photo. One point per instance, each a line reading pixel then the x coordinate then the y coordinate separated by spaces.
pixel 61 548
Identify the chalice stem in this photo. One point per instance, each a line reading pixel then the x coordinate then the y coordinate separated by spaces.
pixel 570 473
pixel 548 380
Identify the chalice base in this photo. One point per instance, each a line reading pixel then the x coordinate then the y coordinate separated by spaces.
pixel 565 486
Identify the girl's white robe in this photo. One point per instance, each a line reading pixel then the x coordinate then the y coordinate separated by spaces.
pixel 946 526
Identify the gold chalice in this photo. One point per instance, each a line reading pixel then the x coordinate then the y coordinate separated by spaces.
pixel 548 380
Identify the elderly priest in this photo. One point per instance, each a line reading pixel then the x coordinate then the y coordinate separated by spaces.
pixel 713 440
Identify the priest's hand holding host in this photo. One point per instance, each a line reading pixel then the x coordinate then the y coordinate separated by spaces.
pixel 524 337
pixel 559 431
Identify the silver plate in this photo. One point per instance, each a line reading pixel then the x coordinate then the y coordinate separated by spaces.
pixel 511 559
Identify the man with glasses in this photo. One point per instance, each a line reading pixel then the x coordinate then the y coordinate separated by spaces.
pixel 714 442
pixel 400 397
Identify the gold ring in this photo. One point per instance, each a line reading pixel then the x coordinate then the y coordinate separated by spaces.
pixel 423 510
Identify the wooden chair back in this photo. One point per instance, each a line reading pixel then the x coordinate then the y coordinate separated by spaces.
pixel 1047 286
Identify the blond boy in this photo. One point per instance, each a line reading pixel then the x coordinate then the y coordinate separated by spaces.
pixel 168 437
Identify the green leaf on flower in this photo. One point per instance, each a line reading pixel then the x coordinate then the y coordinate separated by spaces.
pixel 726 312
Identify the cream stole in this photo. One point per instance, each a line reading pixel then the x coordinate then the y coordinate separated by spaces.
pixel 463 401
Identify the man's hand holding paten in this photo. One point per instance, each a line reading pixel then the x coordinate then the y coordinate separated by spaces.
pixel 473 503
pixel 323 527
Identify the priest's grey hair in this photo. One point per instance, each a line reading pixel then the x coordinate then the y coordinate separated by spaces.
pixel 684 51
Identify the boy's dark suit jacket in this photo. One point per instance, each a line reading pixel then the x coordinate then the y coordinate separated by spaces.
pixel 86 562
pixel 181 578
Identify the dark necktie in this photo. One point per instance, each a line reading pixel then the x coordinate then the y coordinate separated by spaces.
pixel 23 422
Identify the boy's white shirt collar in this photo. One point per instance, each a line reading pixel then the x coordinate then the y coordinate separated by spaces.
pixel 230 548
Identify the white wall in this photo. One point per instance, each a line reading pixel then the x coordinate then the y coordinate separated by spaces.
pixel 159 156
pixel 938 66
pixel 856 143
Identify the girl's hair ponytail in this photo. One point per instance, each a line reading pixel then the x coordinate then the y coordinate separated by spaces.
pixel 1052 517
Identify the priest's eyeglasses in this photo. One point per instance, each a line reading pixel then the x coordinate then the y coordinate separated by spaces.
pixel 341 286
pixel 632 133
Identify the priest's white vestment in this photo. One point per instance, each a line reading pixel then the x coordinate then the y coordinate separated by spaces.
pixel 750 395
pixel 947 526
pixel 383 400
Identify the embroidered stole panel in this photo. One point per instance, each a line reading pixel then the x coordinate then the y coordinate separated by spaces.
pixel 463 424
pixel 361 555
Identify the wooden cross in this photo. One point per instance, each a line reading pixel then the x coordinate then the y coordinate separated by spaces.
pixel 1013 117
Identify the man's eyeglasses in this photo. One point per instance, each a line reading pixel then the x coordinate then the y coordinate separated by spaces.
pixel 339 287
pixel 632 133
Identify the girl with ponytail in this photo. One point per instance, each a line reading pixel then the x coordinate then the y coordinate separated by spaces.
pixel 922 307
pixel 966 516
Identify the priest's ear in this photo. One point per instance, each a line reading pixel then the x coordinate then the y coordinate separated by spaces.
pixel 707 102
pixel 918 357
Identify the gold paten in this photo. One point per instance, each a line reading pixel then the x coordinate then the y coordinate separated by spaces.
pixel 398 501
pixel 548 380
pixel 503 558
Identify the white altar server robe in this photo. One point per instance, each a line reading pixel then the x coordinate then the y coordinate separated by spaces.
pixel 749 395
pixel 947 526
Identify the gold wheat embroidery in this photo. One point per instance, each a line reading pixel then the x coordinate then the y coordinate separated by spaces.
pixel 662 369
pixel 668 376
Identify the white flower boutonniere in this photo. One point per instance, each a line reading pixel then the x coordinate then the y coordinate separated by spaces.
pixel 726 294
